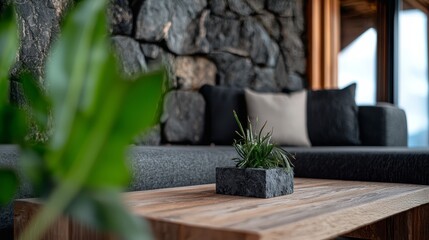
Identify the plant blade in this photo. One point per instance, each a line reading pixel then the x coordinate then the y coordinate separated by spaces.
pixel 8 184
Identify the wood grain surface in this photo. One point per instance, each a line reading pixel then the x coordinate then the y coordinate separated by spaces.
pixel 318 209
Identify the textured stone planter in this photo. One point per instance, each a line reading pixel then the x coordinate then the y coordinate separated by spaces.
pixel 253 182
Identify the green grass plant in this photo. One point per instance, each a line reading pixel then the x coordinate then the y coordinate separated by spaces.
pixel 255 150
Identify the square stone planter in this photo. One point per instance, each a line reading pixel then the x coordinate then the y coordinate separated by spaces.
pixel 253 182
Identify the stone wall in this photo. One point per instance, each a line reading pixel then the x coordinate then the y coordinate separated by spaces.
pixel 237 43
pixel 39 25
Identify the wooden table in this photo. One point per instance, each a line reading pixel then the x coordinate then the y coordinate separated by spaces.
pixel 318 209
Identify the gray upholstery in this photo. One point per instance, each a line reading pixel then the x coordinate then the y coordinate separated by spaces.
pixel 172 166
pixel 382 125
pixel 152 168
pixel 376 164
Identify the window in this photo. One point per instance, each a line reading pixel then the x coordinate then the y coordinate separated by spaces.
pixel 413 74
pixel 383 48
pixel 357 63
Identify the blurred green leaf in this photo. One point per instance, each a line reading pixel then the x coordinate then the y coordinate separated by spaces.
pixel 35 169
pixel 96 114
pixel 37 99
pixel 74 58
pixel 12 122
pixel 8 49
pixel 8 185
pixel 136 112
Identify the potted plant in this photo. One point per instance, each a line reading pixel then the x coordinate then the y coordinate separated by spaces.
pixel 263 169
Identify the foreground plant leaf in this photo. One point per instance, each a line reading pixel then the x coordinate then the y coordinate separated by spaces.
pixel 96 114
pixel 8 48
pixel 10 122
pixel 8 185
pixel 39 103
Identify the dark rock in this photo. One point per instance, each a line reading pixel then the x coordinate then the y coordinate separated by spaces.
pixel 292 47
pixel 270 24
pixel 233 70
pixel 150 137
pixel 254 182
pixel 244 39
pixel 240 7
pixel 239 74
pixel 218 7
pixel 263 50
pixel 130 55
pixel 154 20
pixel 295 82
pixel 223 34
pixel 150 50
pixel 120 17
pixel 256 5
pixel 184 36
pixel 299 16
pixel 287 80
pixel 284 8
pixel 193 72
pixel 265 80
pixel 39 24
pixel 281 74
pixel 17 93
pixel 177 22
pixel 166 60
pixel 183 117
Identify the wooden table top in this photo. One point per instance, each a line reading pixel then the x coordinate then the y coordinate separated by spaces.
pixel 318 209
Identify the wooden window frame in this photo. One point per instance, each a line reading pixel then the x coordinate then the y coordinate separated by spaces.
pixel 387 50
pixel 324 46
pixel 324 43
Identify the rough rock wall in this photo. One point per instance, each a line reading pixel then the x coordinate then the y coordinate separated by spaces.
pixel 38 22
pixel 238 43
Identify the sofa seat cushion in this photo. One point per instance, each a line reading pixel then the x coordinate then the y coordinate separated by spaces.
pixel 378 164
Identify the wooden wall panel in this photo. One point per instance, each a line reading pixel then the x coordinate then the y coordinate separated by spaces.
pixel 324 43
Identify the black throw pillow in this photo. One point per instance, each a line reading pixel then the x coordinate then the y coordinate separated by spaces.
pixel 332 117
pixel 220 103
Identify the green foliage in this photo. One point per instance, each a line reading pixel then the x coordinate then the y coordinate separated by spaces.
pixel 257 151
pixel 8 185
pixel 93 114
pixel 8 47
pixel 12 121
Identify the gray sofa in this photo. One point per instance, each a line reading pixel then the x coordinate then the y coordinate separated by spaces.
pixel 383 157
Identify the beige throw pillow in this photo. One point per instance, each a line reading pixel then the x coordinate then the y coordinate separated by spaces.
pixel 285 114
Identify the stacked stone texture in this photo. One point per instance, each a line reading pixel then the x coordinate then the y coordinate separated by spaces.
pixel 257 44
pixel 39 25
